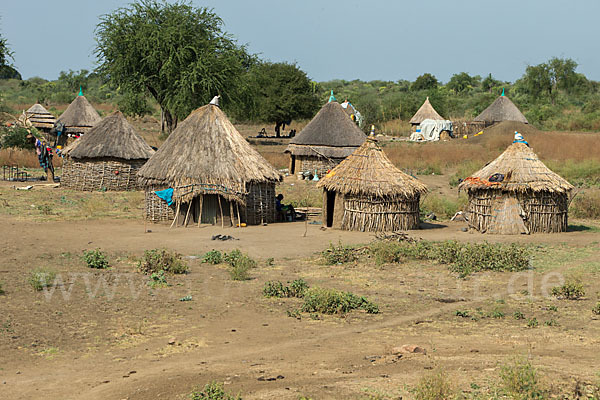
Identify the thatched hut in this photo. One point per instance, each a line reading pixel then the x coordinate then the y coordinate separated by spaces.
pixel 79 117
pixel 426 111
pixel 526 196
pixel 40 118
pixel 502 109
pixel 106 158
pixel 367 193
pixel 214 173
pixel 327 139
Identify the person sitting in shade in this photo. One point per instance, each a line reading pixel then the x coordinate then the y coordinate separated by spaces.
pixel 284 212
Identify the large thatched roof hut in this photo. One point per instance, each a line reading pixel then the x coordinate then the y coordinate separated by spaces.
pixel 106 158
pixel 214 173
pixel 79 117
pixel 367 193
pixel 502 109
pixel 526 196
pixel 40 118
pixel 327 139
pixel 426 111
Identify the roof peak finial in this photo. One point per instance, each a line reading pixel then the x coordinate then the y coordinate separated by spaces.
pixel 80 91
pixel 215 100
pixel 332 97
pixel 502 91
pixel 372 134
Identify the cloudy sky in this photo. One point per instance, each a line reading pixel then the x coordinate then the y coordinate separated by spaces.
pixel 349 39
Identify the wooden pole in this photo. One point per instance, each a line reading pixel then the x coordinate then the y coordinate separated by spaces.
pixel 187 214
pixel 237 206
pixel 231 212
pixel 176 214
pixel 201 201
pixel 221 209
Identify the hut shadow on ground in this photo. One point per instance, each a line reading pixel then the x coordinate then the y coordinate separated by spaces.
pixel 429 225
pixel 581 228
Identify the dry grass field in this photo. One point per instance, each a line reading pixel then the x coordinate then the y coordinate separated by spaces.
pixel 69 331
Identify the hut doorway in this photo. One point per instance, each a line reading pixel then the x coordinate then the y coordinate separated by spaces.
pixel 330 208
pixel 292 164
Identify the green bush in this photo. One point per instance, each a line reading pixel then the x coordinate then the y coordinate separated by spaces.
pixel 1 288
pixel 595 310
pixel 213 257
pixel 212 391
pixel 162 260
pixel 532 323
pixel 435 386
pixel 95 259
pixel 520 380
pixel 240 264
pixel 339 254
pixel 332 301
pixel 569 291
pixel 277 289
pixel 16 137
pixel 41 278
pixel 442 206
pixel 384 252
pixel 518 315
pixel 158 279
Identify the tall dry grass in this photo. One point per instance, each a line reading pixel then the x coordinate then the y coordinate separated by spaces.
pixel 23 158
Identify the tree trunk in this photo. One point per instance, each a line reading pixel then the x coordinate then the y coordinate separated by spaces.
pixel 171 121
pixel 277 129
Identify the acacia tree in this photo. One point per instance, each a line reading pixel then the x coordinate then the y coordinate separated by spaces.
pixel 174 52
pixel 6 70
pixel 426 81
pixel 551 77
pixel 280 93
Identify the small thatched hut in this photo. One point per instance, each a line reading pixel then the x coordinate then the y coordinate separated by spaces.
pixel 502 109
pixel 425 112
pixel 367 193
pixel 40 118
pixel 79 117
pixel 327 139
pixel 214 173
pixel 106 158
pixel 527 197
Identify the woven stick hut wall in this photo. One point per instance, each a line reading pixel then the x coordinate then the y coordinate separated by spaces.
pixel 79 117
pixel 215 175
pixel 426 111
pixel 367 193
pixel 328 138
pixel 40 118
pixel 530 198
pixel 106 158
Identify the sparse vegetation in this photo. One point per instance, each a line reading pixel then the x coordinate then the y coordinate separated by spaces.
pixel 519 379
pixel 434 386
pixel 158 279
pixel 157 260
pixel 518 315
pixel 570 290
pixel 532 323
pixel 332 301
pixel 339 254
pixel 212 391
pixel 213 257
pixel 41 278
pixel 1 288
pixel 277 289
pixel 240 265
pixel 596 309
pixel 95 259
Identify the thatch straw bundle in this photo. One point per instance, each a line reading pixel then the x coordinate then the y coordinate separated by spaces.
pixel 205 156
pixel 502 109
pixel 107 157
pixel 426 111
pixel 542 194
pixel 80 116
pixel 40 118
pixel 376 195
pixel 328 138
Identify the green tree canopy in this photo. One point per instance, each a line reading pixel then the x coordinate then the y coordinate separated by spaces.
pixel 551 77
pixel 6 70
pixel 489 83
pixel 425 82
pixel 280 93
pixel 173 51
pixel 462 82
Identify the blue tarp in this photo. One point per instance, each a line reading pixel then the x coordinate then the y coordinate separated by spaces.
pixel 166 195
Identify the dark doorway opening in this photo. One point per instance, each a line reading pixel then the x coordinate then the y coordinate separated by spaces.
pixel 293 165
pixel 330 208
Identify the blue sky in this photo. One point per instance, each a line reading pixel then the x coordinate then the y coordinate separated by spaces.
pixel 349 39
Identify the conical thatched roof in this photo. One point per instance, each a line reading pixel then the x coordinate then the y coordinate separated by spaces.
pixel 522 170
pixel 369 172
pixel 425 112
pixel 40 117
pixel 330 133
pixel 79 114
pixel 207 152
pixel 502 109
pixel 113 137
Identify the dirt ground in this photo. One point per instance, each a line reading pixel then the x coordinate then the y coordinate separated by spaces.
pixel 105 334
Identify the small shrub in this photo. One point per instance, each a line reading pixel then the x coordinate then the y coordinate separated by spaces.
pixel 339 254
pixel 274 289
pixel 95 259
pixel 213 257
pixel 595 310
pixel 497 313
pixel 435 386
pixel 551 322
pixel 41 278
pixel 552 308
pixel 212 391
pixel 569 291
pixel 239 264
pixel 532 323
pixel 332 301
pixel 277 289
pixel 520 380
pixel 295 313
pixel 518 315
pixel 158 279
pixel 157 260
pixel 385 252
pixel 462 313
pixel 298 288
pixel 1 288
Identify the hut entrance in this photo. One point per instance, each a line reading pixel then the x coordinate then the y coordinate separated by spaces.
pixel 213 206
pixel 330 208
pixel 292 164
pixel 507 217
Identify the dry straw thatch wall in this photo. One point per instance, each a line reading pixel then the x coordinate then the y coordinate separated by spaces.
pixel 542 195
pixel 367 214
pixel 100 174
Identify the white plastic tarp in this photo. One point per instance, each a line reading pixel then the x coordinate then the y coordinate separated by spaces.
pixel 431 129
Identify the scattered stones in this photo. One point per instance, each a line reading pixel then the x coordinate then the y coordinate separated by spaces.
pixel 172 341
pixel 409 349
